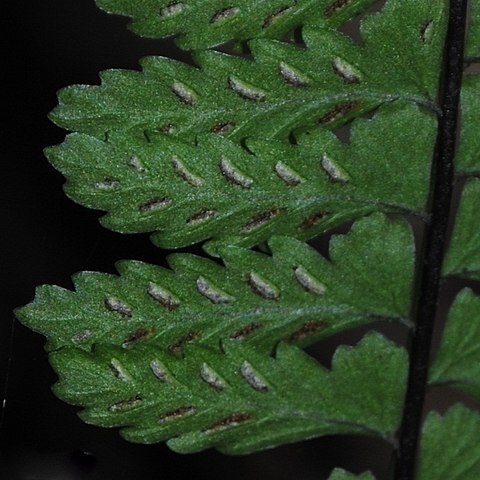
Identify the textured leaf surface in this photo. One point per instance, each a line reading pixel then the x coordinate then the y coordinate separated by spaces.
pixel 295 294
pixel 457 362
pixel 218 190
pixel 473 35
pixel 340 474
pixel 204 24
pixel 468 157
pixel 183 355
pixel 449 448
pixel 463 257
pixel 239 401
pixel 284 88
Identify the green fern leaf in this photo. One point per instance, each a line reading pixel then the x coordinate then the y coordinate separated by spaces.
pixel 204 24
pixel 450 446
pixel 205 354
pixel 457 363
pixel 295 295
pixel 340 474
pixel 473 35
pixel 239 401
pixel 285 88
pixel 468 158
pixel 463 257
pixel 217 190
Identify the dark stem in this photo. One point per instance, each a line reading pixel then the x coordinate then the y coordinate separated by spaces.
pixel 435 238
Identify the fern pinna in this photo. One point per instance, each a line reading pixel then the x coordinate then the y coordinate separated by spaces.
pixel 242 151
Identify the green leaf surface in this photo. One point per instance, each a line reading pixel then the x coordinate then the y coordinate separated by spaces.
pixel 238 150
pixel 217 190
pixel 294 295
pixel 463 256
pixel 449 446
pixel 238 401
pixel 340 474
pixel 283 88
pixel 457 363
pixel 203 23
pixel 473 33
pixel 468 155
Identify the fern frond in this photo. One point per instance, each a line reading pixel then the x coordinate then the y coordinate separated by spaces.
pixel 237 401
pixel 340 474
pixel 457 363
pixel 284 88
pixel 204 24
pixel 449 446
pixel 216 190
pixel 463 256
pixel 473 35
pixel 468 156
pixel 239 151
pixel 294 295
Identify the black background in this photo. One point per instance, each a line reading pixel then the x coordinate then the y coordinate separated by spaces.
pixel 45 237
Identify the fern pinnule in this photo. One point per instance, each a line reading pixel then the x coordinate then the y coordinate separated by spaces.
pixel 238 401
pixel 294 295
pixel 216 190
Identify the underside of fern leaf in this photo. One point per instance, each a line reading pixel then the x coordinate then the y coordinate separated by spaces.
pixel 299 129
pixel 218 190
pixel 294 295
pixel 283 88
pixel 238 401
pixel 159 149
pixel 206 24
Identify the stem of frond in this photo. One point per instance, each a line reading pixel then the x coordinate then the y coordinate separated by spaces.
pixel 429 272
